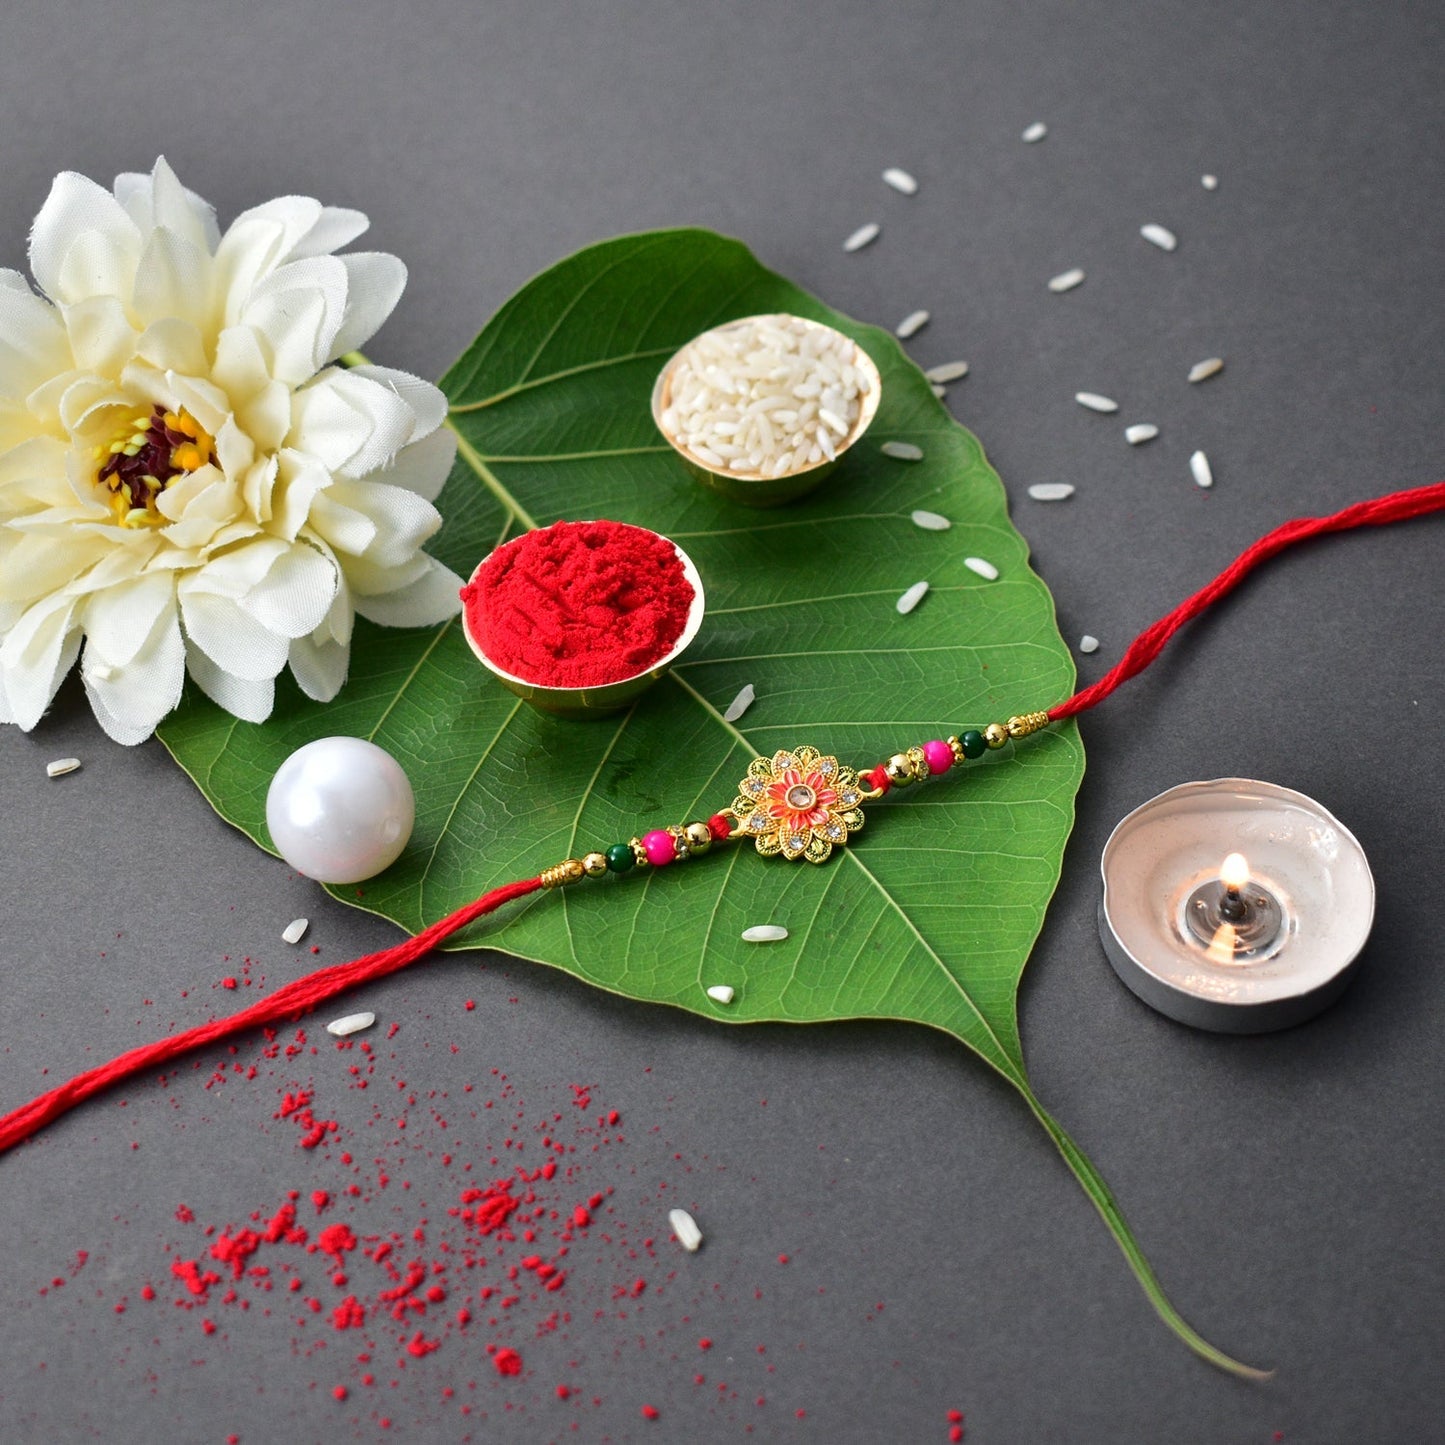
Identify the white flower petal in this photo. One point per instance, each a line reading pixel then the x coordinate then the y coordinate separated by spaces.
pixel 300 478
pixel 351 424
pixel 131 698
pixel 173 279
pixel 299 309
pixel 424 466
pixel 32 564
pixel 249 700
pixel 159 199
pixel 427 401
pixel 74 207
pixel 374 283
pixel 295 595
pixel 431 597
pixel 37 653
pixel 239 570
pixel 343 528
pixel 401 520
pixel 119 621
pixel 101 337
pixel 33 344
pixel 334 228
pixel 172 344
pixel 95 266
pixel 319 667
pixel 231 638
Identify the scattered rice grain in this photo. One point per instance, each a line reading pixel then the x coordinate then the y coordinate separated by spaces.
pixel 1088 643
pixel 765 933
pixel 1036 132
pixel 902 451
pixel 684 1226
pixel 912 597
pixel 862 236
pixel 984 569
pixel 939 391
pixel 1199 466
pixel 351 1024
pixel 1210 183
pixel 740 704
pixel 1144 431
pixel 1158 235
pixel 931 521
pixel 1203 370
pixel 947 371
pixel 911 324
pixel 1095 402
pixel 1066 281
pixel 295 931
pixel 720 993
pixel 61 766
pixel 900 180
pixel 1051 491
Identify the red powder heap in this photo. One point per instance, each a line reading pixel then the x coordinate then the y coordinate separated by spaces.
pixel 579 604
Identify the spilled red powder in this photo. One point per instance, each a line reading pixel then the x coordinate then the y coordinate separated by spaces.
pixel 579 604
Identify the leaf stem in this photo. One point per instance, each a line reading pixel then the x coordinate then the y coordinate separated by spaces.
pixel 1103 1200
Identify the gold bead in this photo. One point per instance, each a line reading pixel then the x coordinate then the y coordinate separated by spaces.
pixel 698 837
pixel 569 870
pixel 956 748
pixel 594 865
pixel 639 853
pixel 995 735
pixel 899 770
pixel 918 762
pixel 1029 722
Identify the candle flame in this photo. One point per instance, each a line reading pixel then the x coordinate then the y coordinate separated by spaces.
pixel 1222 945
pixel 1234 872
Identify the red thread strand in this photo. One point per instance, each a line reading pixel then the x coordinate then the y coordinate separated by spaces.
pixel 304 994
pixel 289 1001
pixel 1396 507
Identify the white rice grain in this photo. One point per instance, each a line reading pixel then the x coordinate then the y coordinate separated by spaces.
pixel 684 1226
pixel 1144 431
pixel 912 597
pixel 1210 183
pixel 931 521
pixel 1066 281
pixel 902 451
pixel 1036 132
pixel 741 703
pixel 984 569
pixel 1158 235
pixel 911 325
pixel 765 933
pixel 1203 370
pixel 1088 643
pixel 720 993
pixel 900 180
pixel 1051 491
pixel 295 931
pixel 61 766
pixel 1199 466
pixel 862 236
pixel 1095 402
pixel 947 371
pixel 351 1024
pixel 939 391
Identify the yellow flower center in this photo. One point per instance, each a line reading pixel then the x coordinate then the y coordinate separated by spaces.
pixel 144 456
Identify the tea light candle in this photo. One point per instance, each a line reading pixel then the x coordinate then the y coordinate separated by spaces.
pixel 1235 905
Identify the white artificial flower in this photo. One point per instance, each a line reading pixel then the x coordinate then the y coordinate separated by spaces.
pixel 186 483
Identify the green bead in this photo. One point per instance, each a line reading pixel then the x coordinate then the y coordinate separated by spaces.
pixel 620 857
pixel 972 743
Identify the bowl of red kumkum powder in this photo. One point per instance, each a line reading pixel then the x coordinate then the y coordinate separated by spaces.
pixel 580 618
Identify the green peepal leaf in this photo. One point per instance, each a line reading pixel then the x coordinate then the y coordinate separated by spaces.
pixel 930 912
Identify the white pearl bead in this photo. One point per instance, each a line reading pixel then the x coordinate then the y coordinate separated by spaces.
pixel 340 810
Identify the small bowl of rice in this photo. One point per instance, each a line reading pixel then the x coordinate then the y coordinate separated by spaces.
pixel 763 408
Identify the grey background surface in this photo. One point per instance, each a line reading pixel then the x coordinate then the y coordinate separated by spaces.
pixel 1287 1188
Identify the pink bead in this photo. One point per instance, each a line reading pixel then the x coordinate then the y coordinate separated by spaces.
pixel 660 846
pixel 939 756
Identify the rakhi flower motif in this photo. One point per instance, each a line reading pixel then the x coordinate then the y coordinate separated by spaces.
pixel 186 483
pixel 799 803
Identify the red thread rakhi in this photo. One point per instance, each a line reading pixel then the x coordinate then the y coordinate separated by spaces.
pixel 800 804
